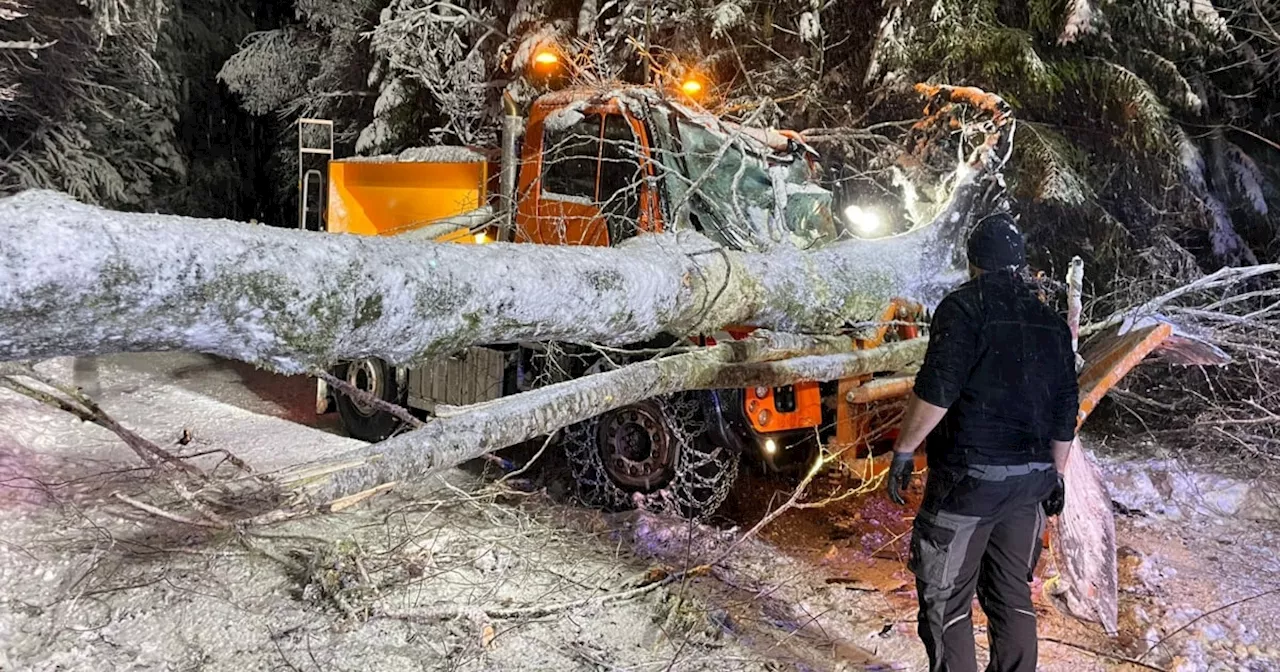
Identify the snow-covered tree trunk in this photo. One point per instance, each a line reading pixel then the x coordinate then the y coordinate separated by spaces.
pixel 77 280
pixel 490 426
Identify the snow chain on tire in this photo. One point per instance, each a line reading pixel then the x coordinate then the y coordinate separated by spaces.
pixel 704 472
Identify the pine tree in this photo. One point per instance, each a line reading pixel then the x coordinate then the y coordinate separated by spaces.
pixel 1145 83
pixel 1182 91
pixel 89 110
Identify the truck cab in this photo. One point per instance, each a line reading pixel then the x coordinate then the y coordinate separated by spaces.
pixel 597 168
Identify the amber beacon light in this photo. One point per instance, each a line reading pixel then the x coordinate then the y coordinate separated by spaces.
pixel 546 59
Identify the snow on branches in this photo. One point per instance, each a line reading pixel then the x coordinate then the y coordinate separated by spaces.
pixel 88 107
pixel 438 48
pixel 272 68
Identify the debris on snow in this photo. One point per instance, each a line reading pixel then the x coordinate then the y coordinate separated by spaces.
pixel 1167 489
pixel 402 583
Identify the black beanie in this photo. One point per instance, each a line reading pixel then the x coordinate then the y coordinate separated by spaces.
pixel 996 242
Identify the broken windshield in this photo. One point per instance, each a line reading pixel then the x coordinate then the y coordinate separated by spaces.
pixel 742 198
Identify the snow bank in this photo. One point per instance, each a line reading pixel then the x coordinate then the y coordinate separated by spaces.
pixel 1166 488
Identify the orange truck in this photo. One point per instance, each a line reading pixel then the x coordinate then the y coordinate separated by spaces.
pixel 595 166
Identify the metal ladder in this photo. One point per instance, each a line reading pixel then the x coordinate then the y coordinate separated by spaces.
pixel 312 180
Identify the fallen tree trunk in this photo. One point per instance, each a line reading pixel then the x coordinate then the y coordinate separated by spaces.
pixel 76 280
pixel 471 432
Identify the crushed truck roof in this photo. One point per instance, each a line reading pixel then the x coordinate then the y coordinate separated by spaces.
pixel 762 140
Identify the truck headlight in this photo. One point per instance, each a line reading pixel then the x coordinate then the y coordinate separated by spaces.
pixel 865 221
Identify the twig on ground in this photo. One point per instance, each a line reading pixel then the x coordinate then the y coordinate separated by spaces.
pixel 542 611
pixel 889 543
pixel 201 508
pixel 280 650
pixel 173 468
pixel 157 511
pixel 1102 654
pixel 88 411
pixel 533 460
pixel 1206 614
pixel 818 463
pixel 1246 445
pixel 288 563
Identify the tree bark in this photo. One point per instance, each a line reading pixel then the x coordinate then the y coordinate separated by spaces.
pixel 76 280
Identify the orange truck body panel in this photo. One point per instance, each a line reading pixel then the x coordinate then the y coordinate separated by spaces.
pixel 543 218
pixel 386 198
pixel 762 409
pixel 1110 358
pixel 850 415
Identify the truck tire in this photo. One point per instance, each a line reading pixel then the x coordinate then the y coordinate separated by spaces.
pixel 655 454
pixel 362 421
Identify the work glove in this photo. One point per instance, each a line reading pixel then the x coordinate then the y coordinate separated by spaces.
pixel 1057 499
pixel 900 472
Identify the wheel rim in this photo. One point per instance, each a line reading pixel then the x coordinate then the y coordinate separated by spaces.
pixel 636 449
pixel 366 376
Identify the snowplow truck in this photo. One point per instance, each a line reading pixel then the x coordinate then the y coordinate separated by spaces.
pixel 596 167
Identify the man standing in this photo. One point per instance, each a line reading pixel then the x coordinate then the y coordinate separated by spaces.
pixel 997 400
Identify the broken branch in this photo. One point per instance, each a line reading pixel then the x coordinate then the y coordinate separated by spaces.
pixel 504 422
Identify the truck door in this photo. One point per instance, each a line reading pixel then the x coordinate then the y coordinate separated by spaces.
pixel 589 185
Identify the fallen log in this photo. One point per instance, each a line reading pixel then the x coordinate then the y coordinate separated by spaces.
pixel 76 280
pixel 471 432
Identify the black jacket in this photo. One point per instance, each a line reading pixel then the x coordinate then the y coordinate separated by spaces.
pixel 1001 362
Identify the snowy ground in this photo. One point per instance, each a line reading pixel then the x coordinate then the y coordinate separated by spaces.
pixel 89 583
pixel 457 575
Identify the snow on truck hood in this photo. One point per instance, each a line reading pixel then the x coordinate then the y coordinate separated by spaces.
pixel 435 154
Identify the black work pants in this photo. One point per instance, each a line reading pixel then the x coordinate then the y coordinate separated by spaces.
pixel 973 534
